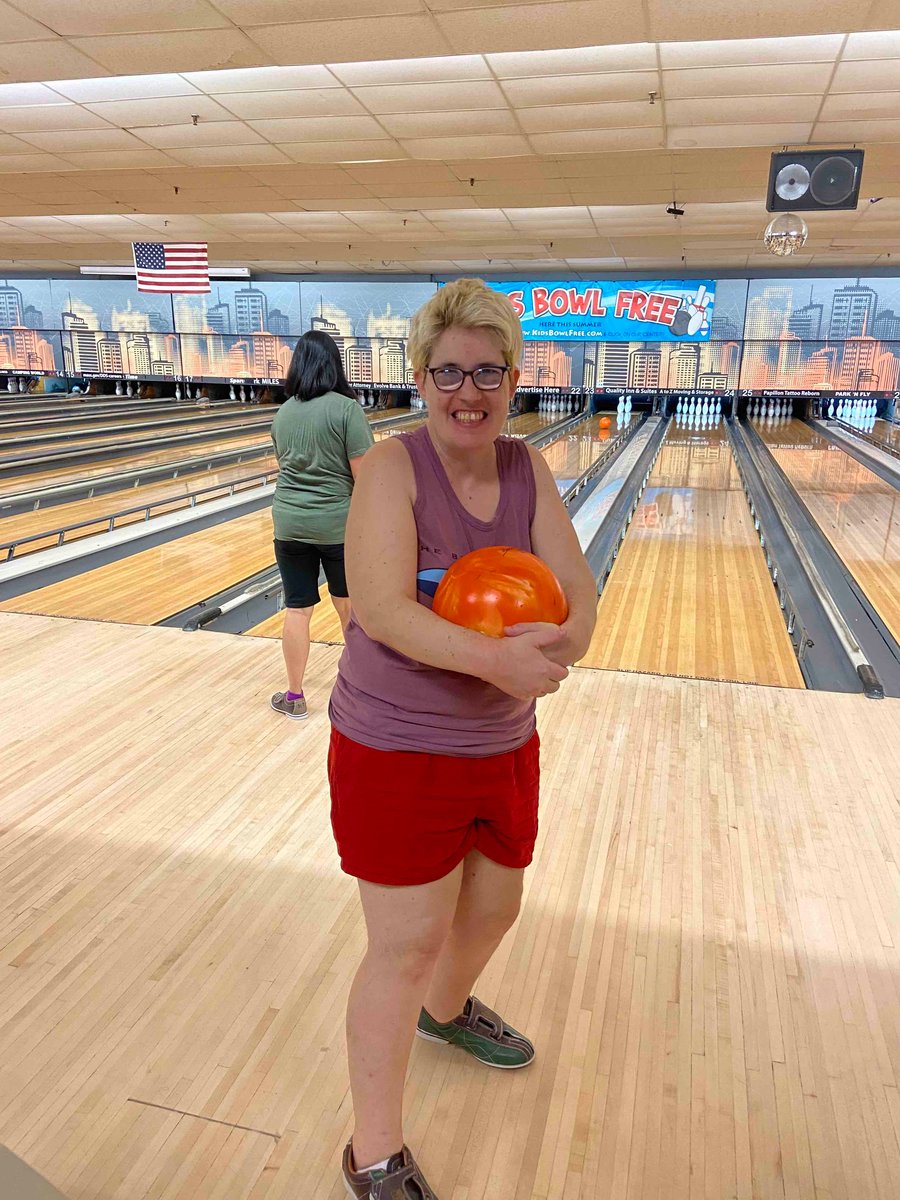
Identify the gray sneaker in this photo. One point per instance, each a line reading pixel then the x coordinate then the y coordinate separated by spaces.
pixel 401 1181
pixel 296 709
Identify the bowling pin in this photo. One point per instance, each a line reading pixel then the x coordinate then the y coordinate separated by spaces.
pixel 231 395
pixel 177 391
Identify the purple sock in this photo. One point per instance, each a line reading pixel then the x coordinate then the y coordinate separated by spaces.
pixel 293 695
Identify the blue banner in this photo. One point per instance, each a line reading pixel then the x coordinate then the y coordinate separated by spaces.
pixel 646 310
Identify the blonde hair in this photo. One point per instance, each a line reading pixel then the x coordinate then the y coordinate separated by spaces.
pixel 464 304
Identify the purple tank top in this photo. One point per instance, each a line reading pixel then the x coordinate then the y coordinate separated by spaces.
pixel 390 702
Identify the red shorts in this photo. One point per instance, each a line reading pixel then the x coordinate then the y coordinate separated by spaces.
pixel 402 818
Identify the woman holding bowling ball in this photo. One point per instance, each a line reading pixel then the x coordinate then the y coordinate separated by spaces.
pixel 433 762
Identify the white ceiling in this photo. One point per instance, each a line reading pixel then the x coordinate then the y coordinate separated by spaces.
pixel 517 139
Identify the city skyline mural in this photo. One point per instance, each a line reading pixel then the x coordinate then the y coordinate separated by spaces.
pixel 839 334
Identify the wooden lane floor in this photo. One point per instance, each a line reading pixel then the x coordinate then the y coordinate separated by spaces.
pixel 856 510
pixel 148 458
pixel 706 958
pixel 127 415
pixel 570 455
pixel 690 593
pixel 887 431
pixel 128 462
pixel 112 435
pixel 98 509
pixel 151 585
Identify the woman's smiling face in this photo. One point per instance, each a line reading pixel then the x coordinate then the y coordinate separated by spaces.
pixel 468 416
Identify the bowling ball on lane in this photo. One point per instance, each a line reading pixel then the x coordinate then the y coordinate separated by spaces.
pixel 605 422
pixel 497 586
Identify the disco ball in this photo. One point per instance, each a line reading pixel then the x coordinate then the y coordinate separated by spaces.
pixel 786 234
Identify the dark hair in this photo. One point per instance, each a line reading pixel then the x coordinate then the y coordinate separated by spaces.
pixel 316 368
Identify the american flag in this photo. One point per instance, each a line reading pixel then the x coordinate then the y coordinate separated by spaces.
pixel 176 267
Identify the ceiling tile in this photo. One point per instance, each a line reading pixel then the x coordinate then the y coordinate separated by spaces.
pixel 314 129
pixel 472 147
pixel 174 110
pixel 270 12
pixel 14 95
pixel 773 18
pixel 431 97
pixel 746 81
pixel 583 141
pixel 734 109
pixel 523 27
pixel 449 124
pixel 751 51
pixel 738 135
pixel 865 107
pixel 457 67
pixel 339 41
pixel 120 160
pixel 17 27
pixel 112 16
pixel 342 150
pixel 581 89
pixel 222 155
pixel 590 60
pixel 49 117
pixel 590 116
pixel 122 87
pixel 83 139
pixel 13 145
pixel 162 52
pixel 835 132
pixel 311 102
pixel 207 133
pixel 873 45
pixel 31 162
pixel 37 61
pixel 262 79
pixel 880 76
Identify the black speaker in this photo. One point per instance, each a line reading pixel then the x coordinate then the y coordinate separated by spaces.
pixel 814 180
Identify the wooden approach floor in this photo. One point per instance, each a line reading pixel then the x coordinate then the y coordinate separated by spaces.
pixel 707 957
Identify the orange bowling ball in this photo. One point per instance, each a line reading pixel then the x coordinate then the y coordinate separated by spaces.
pixel 605 422
pixel 489 589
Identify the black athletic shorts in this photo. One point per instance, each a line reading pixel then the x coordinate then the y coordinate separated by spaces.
pixel 299 564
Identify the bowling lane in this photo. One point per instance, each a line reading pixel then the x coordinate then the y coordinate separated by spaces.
pixel 129 462
pixel 86 423
pixel 98 509
pixel 857 511
pixel 112 436
pixel 690 594
pixel 152 458
pixel 571 454
pixel 153 584
pixel 888 432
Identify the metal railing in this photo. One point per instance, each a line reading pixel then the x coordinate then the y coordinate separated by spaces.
pixel 866 437
pixel 610 561
pixel 599 463
pixel 109 522
pixel 797 633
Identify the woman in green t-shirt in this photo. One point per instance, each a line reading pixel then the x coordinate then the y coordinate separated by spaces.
pixel 320 435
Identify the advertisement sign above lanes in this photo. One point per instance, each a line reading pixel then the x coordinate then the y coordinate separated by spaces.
pixel 652 310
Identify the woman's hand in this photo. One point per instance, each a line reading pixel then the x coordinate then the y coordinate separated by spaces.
pixel 523 666
pixel 561 651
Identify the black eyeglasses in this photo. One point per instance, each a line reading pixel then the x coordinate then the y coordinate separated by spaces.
pixel 450 379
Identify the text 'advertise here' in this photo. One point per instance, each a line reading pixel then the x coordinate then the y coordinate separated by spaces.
pixel 644 310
